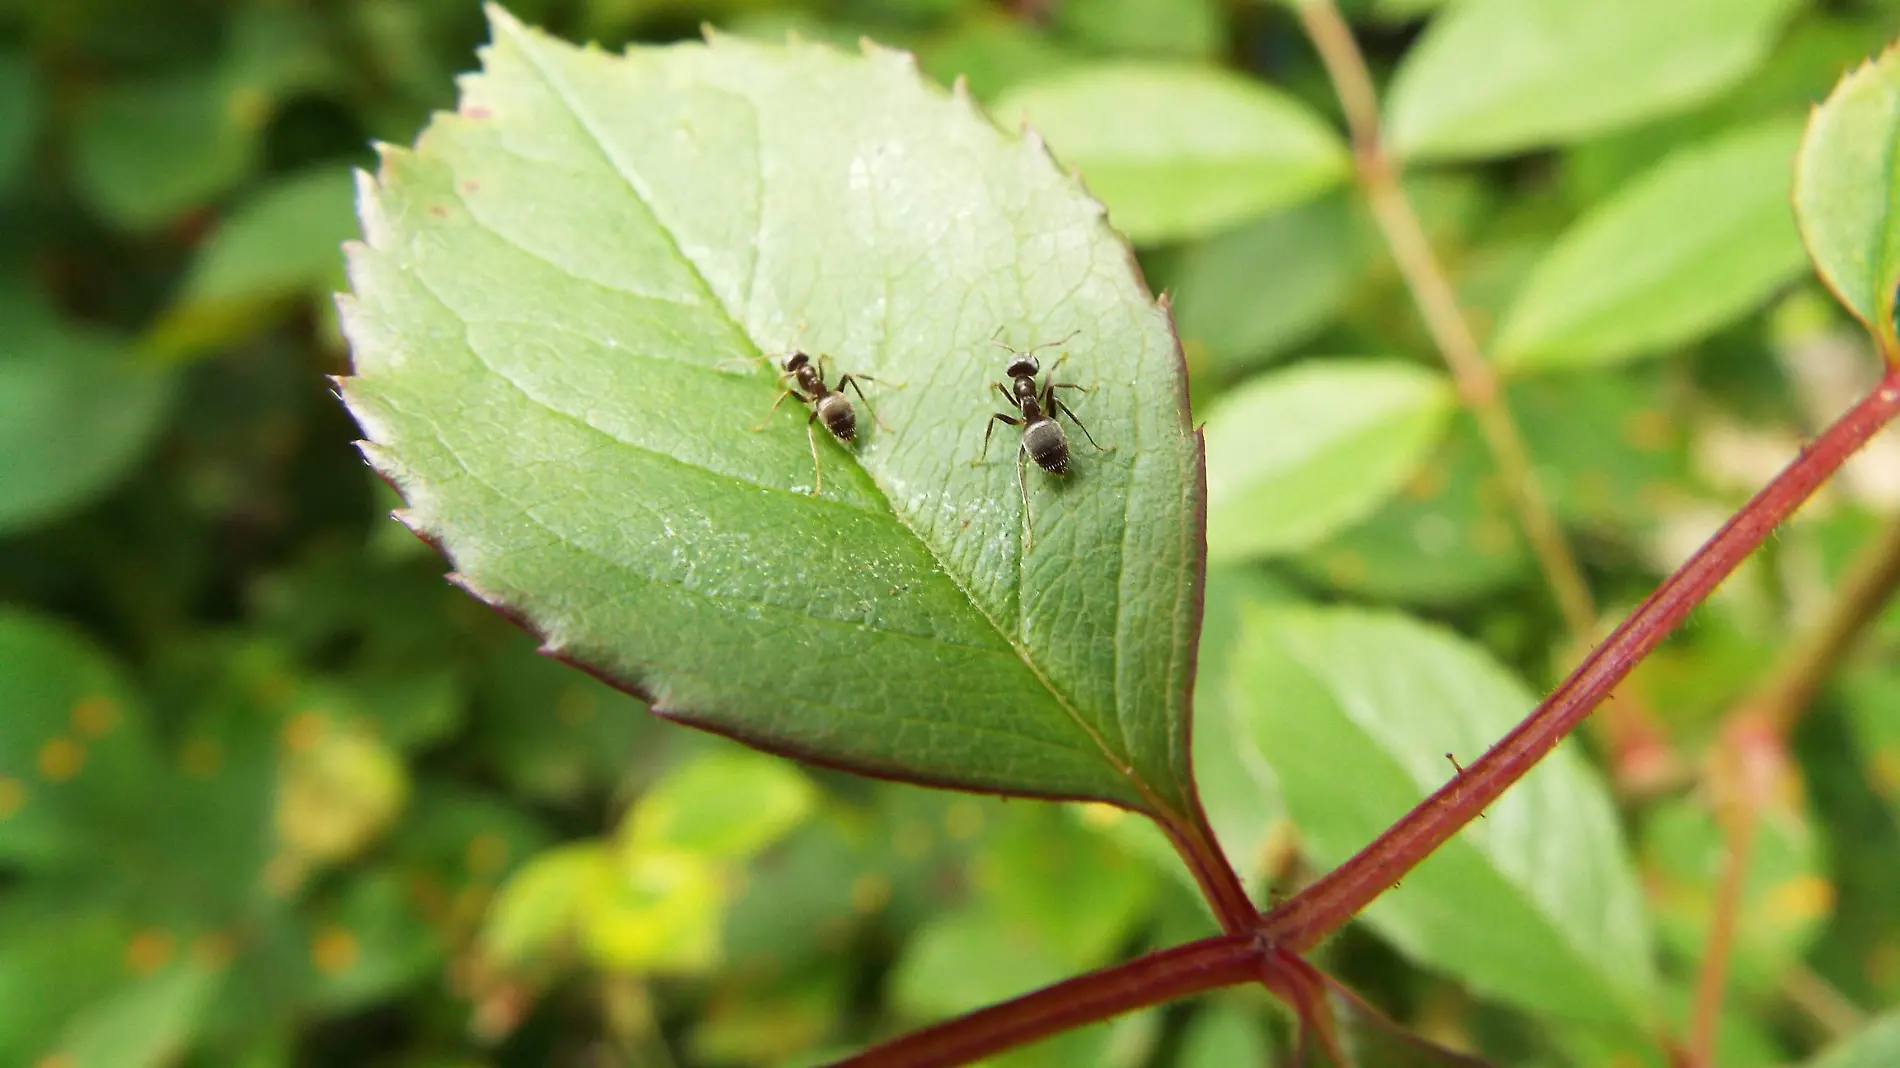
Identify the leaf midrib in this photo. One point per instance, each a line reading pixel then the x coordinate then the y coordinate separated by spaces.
pixel 649 579
pixel 1119 765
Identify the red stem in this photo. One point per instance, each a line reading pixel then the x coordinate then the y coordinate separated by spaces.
pixel 1305 919
pixel 1219 883
pixel 1209 964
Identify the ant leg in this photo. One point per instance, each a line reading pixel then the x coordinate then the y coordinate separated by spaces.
pixel 740 361
pixel 852 381
pixel 988 429
pixel 792 393
pixel 817 476
pixel 1056 405
pixel 1008 397
pixel 1050 389
pixel 1029 528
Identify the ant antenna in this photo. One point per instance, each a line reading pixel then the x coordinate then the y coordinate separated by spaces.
pixel 1014 351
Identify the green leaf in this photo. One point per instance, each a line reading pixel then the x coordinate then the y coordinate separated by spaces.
pixel 1236 786
pixel 1535 905
pixel 558 231
pixel 1180 151
pixel 1743 1038
pixel 725 805
pixel 55 959
pixel 991 52
pixel 145 151
pixel 1610 447
pixel 1876 1046
pixel 1067 881
pixel 370 943
pixel 1446 538
pixel 145 1025
pixel 1370 1040
pixel 20 107
pixel 1680 252
pixel 967 958
pixel 1492 77
pixel 75 414
pixel 1847 194
pixel 284 243
pixel 1296 455
pixel 1254 292
pixel 548 731
pixel 536 910
pixel 653 911
pixel 75 762
pixel 1223 1037
pixel 1186 28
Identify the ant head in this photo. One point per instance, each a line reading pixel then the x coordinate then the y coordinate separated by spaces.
pixel 1023 366
pixel 794 360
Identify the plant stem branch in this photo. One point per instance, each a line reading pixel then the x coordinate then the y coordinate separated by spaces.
pixel 1209 964
pixel 1220 884
pixel 1832 1012
pixel 1303 920
pixel 1746 780
pixel 1438 305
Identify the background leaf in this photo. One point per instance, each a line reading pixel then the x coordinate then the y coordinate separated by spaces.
pixel 145 151
pixel 1256 291
pixel 285 243
pixel 75 413
pixel 1679 252
pixel 73 752
pixel 1298 454
pixel 547 235
pixel 1145 27
pixel 1878 1045
pixel 1563 931
pixel 1179 151
pixel 1493 77
pixel 1847 194
pixel 1446 537
pixel 20 106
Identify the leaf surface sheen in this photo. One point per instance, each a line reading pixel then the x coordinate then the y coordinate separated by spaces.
pixel 1180 150
pixel 1686 248
pixel 1300 453
pixel 555 284
pixel 1493 77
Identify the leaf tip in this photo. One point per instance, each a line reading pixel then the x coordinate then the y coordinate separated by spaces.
pixel 501 21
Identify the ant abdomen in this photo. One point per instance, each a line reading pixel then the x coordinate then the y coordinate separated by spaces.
pixel 838 416
pixel 1047 445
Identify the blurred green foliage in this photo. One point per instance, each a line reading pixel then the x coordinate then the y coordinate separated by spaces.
pixel 272 794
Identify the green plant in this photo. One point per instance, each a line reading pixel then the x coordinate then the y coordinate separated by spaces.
pixel 554 278
pixel 272 795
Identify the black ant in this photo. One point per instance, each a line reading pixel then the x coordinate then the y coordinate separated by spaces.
pixel 1043 439
pixel 826 403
